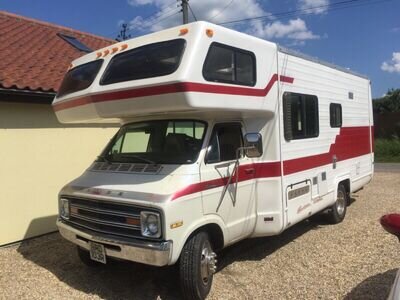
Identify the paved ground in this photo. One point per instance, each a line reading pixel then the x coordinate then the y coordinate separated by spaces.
pixel 387 167
pixel 356 259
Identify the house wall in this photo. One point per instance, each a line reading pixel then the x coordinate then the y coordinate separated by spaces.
pixel 38 155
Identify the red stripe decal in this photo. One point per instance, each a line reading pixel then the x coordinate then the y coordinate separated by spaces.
pixel 351 142
pixel 172 88
pixel 258 170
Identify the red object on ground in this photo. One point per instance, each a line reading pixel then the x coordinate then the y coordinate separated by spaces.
pixel 391 223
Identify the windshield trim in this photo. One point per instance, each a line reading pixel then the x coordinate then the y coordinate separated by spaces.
pixel 104 154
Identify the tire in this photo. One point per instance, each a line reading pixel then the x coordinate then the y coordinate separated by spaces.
pixel 196 267
pixel 337 211
pixel 84 256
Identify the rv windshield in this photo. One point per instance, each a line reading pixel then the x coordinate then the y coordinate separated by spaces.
pixel 159 142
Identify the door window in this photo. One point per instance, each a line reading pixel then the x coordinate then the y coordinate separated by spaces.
pixel 224 142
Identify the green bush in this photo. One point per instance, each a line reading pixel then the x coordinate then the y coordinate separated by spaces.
pixel 387 150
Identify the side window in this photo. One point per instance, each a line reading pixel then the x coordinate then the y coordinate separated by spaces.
pixel 230 65
pixel 225 140
pixel 300 116
pixel 335 112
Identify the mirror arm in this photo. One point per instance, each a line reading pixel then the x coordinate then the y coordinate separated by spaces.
pixel 235 170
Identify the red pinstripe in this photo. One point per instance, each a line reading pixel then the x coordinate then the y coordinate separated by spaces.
pixel 179 87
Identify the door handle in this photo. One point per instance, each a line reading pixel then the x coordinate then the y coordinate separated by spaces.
pixel 249 171
pixel 334 161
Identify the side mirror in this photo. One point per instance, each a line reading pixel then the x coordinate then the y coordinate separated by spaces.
pixel 253 145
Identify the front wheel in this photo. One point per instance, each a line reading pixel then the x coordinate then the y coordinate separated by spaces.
pixel 197 267
pixel 337 211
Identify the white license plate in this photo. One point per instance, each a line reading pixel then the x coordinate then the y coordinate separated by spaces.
pixel 97 252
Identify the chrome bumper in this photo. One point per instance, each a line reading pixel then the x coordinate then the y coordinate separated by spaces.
pixel 146 252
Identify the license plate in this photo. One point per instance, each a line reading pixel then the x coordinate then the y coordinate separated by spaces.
pixel 97 252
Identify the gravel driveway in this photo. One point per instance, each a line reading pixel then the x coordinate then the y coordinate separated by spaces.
pixel 356 259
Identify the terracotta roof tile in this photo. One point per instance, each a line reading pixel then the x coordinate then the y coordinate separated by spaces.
pixel 32 55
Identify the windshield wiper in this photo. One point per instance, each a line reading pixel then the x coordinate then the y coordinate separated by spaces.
pixel 139 158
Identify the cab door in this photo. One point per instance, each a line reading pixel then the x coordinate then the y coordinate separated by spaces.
pixel 234 202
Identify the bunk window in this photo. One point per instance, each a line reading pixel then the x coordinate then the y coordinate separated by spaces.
pixel 153 60
pixel 79 78
pixel 230 65
pixel 300 114
pixel 335 112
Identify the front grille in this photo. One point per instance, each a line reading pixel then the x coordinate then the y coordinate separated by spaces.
pixel 106 217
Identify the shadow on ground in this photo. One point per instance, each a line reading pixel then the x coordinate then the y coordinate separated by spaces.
pixel 119 280
pixel 374 287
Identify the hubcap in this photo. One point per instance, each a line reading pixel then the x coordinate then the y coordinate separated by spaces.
pixel 340 203
pixel 208 263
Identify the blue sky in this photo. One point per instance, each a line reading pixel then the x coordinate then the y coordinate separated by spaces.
pixel 364 37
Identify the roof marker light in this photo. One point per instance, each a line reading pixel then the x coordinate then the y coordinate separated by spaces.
pixel 113 50
pixel 106 52
pixel 209 32
pixel 124 46
pixel 183 31
pixel 98 54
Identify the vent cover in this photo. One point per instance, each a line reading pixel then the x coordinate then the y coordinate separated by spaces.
pixel 125 168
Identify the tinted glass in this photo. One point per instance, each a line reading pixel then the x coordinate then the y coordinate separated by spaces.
pixel 335 114
pixel 152 60
pixel 244 69
pixel 225 140
pixel 79 78
pixel 230 65
pixel 301 118
pixel 161 142
pixel 219 65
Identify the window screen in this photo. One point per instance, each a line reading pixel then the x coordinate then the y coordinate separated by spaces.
pixel 230 65
pixel 148 61
pixel 225 140
pixel 300 114
pixel 335 111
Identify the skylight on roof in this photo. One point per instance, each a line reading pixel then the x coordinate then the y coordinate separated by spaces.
pixel 74 42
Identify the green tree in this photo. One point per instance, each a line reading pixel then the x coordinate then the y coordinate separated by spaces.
pixel 388 103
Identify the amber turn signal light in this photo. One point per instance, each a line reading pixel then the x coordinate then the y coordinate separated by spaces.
pixel 183 31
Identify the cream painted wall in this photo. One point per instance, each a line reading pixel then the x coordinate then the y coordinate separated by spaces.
pixel 38 155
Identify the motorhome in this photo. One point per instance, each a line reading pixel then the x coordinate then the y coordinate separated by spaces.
pixel 224 136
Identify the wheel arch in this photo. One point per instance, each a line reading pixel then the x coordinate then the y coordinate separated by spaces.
pixel 215 229
pixel 345 180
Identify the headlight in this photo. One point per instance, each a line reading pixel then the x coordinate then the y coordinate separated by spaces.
pixel 150 224
pixel 64 208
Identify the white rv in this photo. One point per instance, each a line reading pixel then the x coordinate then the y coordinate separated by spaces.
pixel 223 137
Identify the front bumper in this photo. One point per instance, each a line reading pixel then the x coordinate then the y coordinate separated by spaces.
pixel 146 252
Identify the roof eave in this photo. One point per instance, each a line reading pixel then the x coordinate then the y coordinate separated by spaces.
pixel 26 96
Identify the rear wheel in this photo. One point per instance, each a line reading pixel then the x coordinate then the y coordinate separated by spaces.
pixel 84 256
pixel 337 211
pixel 197 267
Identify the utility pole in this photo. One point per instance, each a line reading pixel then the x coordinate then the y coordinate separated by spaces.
pixel 185 11
pixel 122 36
